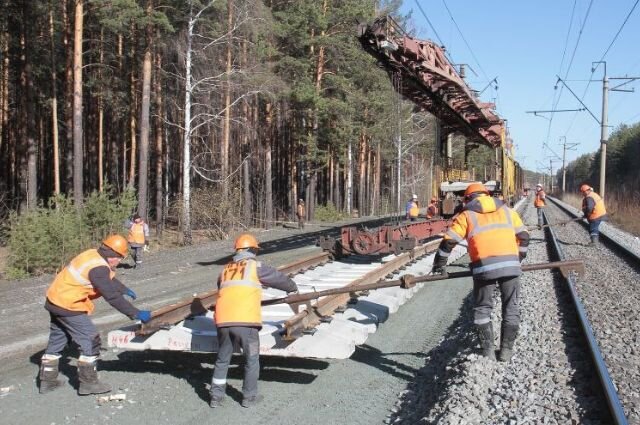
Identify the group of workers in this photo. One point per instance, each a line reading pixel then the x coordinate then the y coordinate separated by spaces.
pixel 412 209
pixel 497 243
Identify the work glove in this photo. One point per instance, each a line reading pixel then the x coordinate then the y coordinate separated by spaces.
pixel 129 293
pixel 146 248
pixel 295 291
pixel 144 316
pixel 522 256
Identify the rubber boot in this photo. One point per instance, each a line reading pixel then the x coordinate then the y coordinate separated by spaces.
pixel 217 395
pixel 595 241
pixel 508 337
pixel 89 382
pixel 49 375
pixel 485 333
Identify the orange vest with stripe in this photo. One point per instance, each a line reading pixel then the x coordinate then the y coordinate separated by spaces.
pixel 599 209
pixel 491 238
pixel 72 289
pixel 414 210
pixel 432 210
pixel 136 233
pixel 539 202
pixel 239 295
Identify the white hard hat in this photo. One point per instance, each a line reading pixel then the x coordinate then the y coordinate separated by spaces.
pixel 538 185
pixel 414 196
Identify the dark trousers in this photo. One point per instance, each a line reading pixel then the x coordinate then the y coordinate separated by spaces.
pixel 300 222
pixel 594 227
pixel 136 253
pixel 483 300
pixel 249 340
pixel 79 329
pixel 540 220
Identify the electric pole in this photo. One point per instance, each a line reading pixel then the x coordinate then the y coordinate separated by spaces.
pixel 566 146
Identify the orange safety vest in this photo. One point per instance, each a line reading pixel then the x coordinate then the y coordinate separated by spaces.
pixel 490 234
pixel 136 233
pixel 72 289
pixel 432 210
pixel 239 295
pixel 301 211
pixel 599 209
pixel 539 201
pixel 414 210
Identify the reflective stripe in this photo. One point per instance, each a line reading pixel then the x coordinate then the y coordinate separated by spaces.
pixel 508 224
pixel 453 235
pixel 520 229
pixel 78 273
pixel 495 266
pixel 522 249
pixel 216 381
pixel 482 321
pixel 231 283
pixel 443 254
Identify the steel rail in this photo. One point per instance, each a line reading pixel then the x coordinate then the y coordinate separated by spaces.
pixel 311 317
pixel 627 251
pixel 613 401
pixel 200 303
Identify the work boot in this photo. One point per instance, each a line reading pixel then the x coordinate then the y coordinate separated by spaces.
pixel 508 337
pixel 49 375
pixel 485 333
pixel 89 382
pixel 215 402
pixel 252 401
pixel 595 241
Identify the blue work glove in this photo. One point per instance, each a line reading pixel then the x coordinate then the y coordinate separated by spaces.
pixel 131 294
pixel 144 316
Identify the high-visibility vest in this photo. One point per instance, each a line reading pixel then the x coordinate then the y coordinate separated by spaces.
pixel 72 289
pixel 539 200
pixel 239 295
pixel 414 210
pixel 491 238
pixel 432 210
pixel 136 233
pixel 599 209
pixel 301 211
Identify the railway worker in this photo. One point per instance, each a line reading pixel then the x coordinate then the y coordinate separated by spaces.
pixel 594 211
pixel 411 209
pixel 540 201
pixel 138 238
pixel 301 213
pixel 89 276
pixel 238 316
pixel 432 208
pixel 497 241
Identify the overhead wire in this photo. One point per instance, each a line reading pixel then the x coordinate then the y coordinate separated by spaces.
pixel 432 27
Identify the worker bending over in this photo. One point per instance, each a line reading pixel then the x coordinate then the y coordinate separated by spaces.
pixel 497 242
pixel 594 211
pixel 88 276
pixel 238 316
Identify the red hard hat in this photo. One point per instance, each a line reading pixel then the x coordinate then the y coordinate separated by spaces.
pixel 475 188
pixel 585 187
pixel 246 240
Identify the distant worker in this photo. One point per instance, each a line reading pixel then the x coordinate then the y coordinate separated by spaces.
pixel 432 208
pixel 594 211
pixel 238 317
pixel 540 201
pixel 301 213
pixel 88 276
pixel 497 242
pixel 411 209
pixel 138 238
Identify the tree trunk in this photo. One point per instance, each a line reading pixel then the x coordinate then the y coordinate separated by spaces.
pixel 54 107
pixel 224 154
pixel 159 123
pixel 349 171
pixel 362 164
pixel 101 119
pixel 132 109
pixel 29 111
pixel 68 96
pixel 78 160
pixel 186 157
pixel 268 178
pixel 144 135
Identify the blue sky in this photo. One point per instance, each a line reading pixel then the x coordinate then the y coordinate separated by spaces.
pixel 522 43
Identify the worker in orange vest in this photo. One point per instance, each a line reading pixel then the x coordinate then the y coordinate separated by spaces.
pixel 238 316
pixel 411 209
pixel 497 242
pixel 138 238
pixel 540 201
pixel 432 208
pixel 89 276
pixel 594 211
pixel 301 213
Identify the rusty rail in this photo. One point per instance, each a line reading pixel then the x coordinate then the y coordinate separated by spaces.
pixel 201 303
pixel 326 307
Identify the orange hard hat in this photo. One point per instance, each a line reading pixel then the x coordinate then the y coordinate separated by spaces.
pixel 117 244
pixel 246 240
pixel 585 187
pixel 475 188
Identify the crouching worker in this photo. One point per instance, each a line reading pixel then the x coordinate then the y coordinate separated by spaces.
pixel 497 242
pixel 88 276
pixel 238 316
